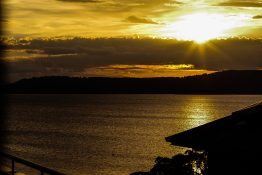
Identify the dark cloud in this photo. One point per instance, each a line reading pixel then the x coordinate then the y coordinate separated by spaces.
pixel 74 56
pixel 241 4
pixel 257 17
pixel 3 20
pixel 87 1
pixel 134 19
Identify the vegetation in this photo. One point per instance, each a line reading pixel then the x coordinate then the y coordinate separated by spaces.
pixel 190 163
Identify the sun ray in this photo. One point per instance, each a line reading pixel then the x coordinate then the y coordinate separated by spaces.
pixel 203 51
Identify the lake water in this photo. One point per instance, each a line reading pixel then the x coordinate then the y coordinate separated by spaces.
pixel 107 134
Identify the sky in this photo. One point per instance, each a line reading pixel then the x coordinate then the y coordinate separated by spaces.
pixel 131 38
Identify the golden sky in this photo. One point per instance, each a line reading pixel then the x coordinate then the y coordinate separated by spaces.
pixel 111 18
pixel 27 22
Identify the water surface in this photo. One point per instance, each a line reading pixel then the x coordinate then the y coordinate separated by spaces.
pixel 107 134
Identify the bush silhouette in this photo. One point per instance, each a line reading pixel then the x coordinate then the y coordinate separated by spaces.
pixel 189 163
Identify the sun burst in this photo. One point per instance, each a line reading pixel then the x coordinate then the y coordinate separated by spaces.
pixel 200 27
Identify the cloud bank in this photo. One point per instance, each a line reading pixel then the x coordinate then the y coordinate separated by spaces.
pixel 129 57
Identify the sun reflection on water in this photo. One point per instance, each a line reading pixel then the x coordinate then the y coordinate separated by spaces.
pixel 199 111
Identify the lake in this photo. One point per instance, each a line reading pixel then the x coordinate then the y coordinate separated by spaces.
pixel 107 134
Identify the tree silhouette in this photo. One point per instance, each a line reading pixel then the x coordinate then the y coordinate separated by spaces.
pixel 189 163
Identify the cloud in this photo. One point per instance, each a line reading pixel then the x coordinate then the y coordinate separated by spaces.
pixel 241 4
pixel 3 20
pixel 92 18
pixel 122 70
pixel 119 56
pixel 84 1
pixel 257 17
pixel 134 19
pixel 167 67
pixel 174 3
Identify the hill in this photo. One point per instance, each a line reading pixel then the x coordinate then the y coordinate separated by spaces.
pixel 225 82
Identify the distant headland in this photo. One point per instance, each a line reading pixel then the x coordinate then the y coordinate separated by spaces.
pixel 225 82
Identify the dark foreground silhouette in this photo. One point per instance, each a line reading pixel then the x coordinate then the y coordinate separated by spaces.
pixel 231 146
pixel 190 163
pixel 226 82
pixel 2 82
pixel 232 143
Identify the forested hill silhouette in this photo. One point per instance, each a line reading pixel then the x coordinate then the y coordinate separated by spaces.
pixel 225 82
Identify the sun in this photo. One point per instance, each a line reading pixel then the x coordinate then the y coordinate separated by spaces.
pixel 200 27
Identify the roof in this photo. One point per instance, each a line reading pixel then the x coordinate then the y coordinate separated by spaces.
pixel 239 130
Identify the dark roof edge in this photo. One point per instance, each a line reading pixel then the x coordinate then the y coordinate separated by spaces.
pixel 183 138
pixel 248 108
